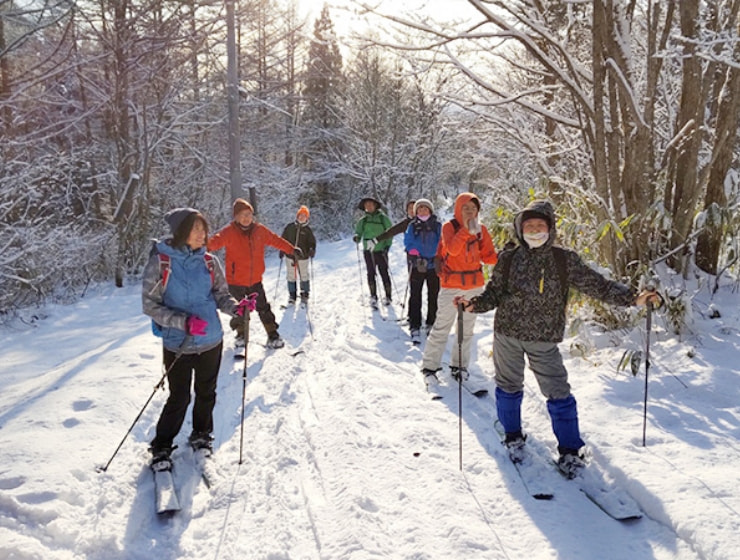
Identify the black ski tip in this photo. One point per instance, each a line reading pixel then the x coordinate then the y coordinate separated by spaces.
pixel 294 354
pixel 436 397
pixel 238 357
pixel 481 392
pixel 167 513
pixel 626 518
pixel 542 496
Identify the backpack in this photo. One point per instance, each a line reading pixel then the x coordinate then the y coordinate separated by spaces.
pixel 561 263
pixel 440 259
pixel 165 267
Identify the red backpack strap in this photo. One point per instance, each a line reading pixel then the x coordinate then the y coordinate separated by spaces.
pixel 164 269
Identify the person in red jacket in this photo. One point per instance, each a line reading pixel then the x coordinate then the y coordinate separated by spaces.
pixel 464 247
pixel 245 240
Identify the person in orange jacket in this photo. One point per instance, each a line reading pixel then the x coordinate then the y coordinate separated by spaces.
pixel 464 246
pixel 245 240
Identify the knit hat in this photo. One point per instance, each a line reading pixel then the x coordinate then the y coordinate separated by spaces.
pixel 241 204
pixel 536 211
pixel 303 211
pixel 176 217
pixel 424 202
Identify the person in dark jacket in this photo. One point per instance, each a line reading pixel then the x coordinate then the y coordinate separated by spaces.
pixel 401 226
pixel 373 223
pixel 530 299
pixel 299 234
pixel 421 240
pixel 184 304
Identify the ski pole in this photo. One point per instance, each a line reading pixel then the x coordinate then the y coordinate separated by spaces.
pixel 277 282
pixel 308 319
pixel 406 291
pixel 157 387
pixel 247 313
pixel 390 273
pixel 459 378
pixel 359 267
pixel 649 321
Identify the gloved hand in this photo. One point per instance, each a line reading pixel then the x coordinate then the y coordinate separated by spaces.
pixel 297 253
pixel 356 238
pixel 414 252
pixel 312 253
pixel 248 303
pixel 474 226
pixel 282 254
pixel 370 244
pixel 195 326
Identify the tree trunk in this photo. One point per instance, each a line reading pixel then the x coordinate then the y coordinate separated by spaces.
pixel 728 119
pixel 686 190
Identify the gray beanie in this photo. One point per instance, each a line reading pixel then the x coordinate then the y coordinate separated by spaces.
pixel 424 202
pixel 176 217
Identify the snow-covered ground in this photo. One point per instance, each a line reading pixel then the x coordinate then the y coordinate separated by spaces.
pixel 345 456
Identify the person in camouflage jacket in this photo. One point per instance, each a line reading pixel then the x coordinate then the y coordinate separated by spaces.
pixel 526 289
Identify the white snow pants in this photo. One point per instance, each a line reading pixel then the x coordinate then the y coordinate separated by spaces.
pixel 446 317
pixel 301 265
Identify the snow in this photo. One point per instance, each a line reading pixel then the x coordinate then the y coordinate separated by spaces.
pixel 345 456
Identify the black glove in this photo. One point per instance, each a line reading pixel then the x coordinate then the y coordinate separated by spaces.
pixel 312 252
pixel 282 254
pixel 297 253
pixel 356 239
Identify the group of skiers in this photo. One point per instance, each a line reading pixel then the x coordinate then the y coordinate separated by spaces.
pixel 184 286
pixel 529 286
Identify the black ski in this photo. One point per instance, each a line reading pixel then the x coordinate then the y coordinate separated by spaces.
pixel 472 386
pixel 532 471
pixel 431 382
pixel 165 493
pixel 607 496
pixel 203 458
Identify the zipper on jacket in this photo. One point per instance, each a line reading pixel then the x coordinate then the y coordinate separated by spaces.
pixel 542 280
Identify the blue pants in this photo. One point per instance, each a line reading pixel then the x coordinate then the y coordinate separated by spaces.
pixel 547 365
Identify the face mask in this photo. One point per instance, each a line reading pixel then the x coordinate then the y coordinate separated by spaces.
pixel 423 218
pixel 535 240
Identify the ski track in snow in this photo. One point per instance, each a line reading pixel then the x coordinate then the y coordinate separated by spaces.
pixel 344 455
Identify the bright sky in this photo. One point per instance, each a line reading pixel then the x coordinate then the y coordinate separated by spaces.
pixel 344 20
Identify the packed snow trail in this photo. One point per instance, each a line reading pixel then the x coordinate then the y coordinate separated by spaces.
pixel 345 455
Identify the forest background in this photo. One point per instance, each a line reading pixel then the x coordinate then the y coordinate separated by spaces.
pixel 624 113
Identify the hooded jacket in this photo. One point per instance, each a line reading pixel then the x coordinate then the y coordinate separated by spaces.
pixel 461 253
pixel 190 290
pixel 245 251
pixel 530 305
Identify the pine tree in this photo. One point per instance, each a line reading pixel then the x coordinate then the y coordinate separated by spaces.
pixel 323 76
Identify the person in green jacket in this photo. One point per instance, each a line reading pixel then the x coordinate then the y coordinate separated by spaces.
pixel 373 223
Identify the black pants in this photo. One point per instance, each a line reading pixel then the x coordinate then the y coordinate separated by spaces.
pixel 377 261
pixel 263 308
pixel 205 366
pixel 416 283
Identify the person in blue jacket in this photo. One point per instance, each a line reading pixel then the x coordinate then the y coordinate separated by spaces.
pixel 183 288
pixel 421 240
